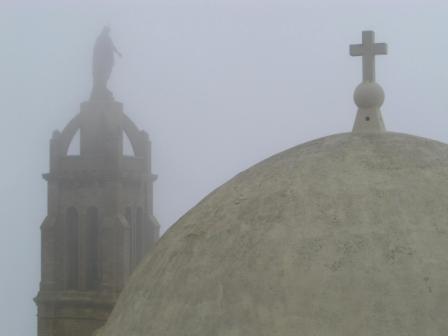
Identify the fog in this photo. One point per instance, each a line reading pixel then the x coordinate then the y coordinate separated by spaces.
pixel 218 85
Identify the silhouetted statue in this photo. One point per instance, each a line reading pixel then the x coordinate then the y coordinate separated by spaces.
pixel 103 62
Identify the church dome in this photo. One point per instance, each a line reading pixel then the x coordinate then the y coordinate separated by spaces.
pixel 344 235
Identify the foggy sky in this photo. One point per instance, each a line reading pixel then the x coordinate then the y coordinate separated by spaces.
pixel 218 85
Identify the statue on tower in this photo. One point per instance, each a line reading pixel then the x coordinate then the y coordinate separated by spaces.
pixel 103 62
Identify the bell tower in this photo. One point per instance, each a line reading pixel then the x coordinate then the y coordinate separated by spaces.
pixel 100 220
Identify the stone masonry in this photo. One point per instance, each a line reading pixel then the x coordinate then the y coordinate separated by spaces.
pixel 100 219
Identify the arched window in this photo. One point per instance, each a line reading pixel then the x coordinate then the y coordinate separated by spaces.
pixel 128 148
pixel 72 246
pixel 128 216
pixel 139 234
pixel 74 149
pixel 92 233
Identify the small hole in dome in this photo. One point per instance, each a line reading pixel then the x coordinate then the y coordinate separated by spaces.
pixel 367 118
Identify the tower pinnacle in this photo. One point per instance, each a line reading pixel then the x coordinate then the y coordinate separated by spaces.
pixel 100 222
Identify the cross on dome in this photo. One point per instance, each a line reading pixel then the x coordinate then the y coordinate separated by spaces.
pixel 368 50
pixel 369 96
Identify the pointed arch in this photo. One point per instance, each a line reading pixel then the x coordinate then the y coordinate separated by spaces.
pixel 92 249
pixel 74 147
pixel 68 133
pixel 128 148
pixel 72 248
pixel 134 135
pixel 139 234
pixel 128 216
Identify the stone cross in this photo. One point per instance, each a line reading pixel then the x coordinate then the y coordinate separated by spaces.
pixel 368 49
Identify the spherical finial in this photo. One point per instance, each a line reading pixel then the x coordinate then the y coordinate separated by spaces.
pixel 369 95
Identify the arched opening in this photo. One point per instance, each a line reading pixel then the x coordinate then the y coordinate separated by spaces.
pixel 128 148
pixel 68 134
pixel 92 250
pixel 132 133
pixel 139 234
pixel 74 148
pixel 128 216
pixel 72 248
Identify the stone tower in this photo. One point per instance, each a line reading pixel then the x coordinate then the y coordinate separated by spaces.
pixel 100 218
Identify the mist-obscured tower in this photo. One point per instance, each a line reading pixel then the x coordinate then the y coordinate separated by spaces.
pixel 100 220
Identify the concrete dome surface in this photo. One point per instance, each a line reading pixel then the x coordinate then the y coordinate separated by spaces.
pixel 342 236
